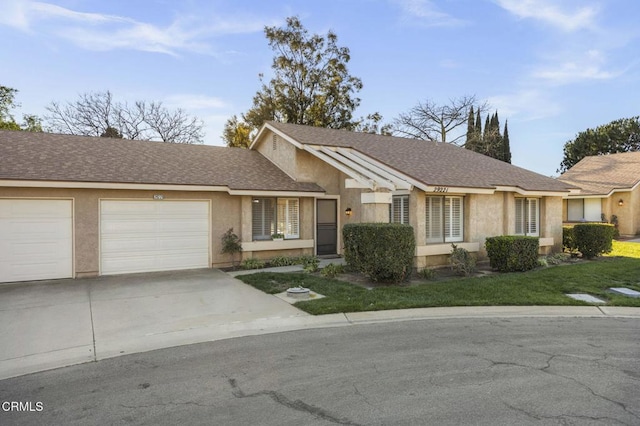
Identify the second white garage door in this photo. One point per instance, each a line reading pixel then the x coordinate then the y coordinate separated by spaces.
pixel 145 236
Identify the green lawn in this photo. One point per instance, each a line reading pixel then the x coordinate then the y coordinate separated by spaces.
pixel 545 286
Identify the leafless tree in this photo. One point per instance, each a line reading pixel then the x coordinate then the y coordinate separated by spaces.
pixel 97 114
pixel 430 121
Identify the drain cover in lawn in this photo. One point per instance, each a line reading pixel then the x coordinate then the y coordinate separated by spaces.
pixel 586 298
pixel 625 291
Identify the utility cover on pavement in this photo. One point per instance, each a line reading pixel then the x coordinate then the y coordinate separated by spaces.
pixel 625 291
pixel 585 298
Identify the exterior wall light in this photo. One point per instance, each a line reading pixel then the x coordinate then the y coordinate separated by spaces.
pixel 348 211
pixel 621 202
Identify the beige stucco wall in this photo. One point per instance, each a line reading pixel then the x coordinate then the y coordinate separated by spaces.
pixel 628 214
pixel 278 151
pixel 226 212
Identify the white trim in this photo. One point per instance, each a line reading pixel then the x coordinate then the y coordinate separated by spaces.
pixel 524 192
pixel 283 194
pixel 439 249
pixel 276 245
pixel 394 172
pixel 109 185
pixel 613 191
pixel 452 190
pixel 277 132
pixel 393 178
pixel 377 179
pixel 375 198
pixel 346 170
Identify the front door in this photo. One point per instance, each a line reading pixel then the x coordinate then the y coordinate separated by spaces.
pixel 327 227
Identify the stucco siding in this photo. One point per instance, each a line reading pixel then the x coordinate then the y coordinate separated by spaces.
pixel 280 152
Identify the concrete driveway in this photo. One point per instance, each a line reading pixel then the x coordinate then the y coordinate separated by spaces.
pixel 50 324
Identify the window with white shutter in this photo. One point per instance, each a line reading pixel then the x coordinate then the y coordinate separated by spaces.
pixel 444 219
pixel 399 209
pixel 263 218
pixel 527 216
pixel 275 215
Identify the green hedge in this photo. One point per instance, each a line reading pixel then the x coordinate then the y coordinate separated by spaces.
pixel 568 239
pixel 381 251
pixel 593 239
pixel 511 253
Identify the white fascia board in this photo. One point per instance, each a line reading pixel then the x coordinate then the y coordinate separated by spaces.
pixel 384 172
pixel 349 172
pixel 412 181
pixel 521 191
pixel 354 184
pixel 110 185
pixel 282 194
pixel 379 180
pixel 443 190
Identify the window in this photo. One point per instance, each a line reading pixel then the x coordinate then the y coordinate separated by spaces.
pixel 584 209
pixel 275 215
pixel 399 209
pixel 527 216
pixel 444 219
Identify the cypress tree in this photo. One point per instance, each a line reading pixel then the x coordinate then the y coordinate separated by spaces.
pixel 471 129
pixel 506 145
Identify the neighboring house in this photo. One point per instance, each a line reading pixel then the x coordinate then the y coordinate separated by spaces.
pixel 74 206
pixel 610 186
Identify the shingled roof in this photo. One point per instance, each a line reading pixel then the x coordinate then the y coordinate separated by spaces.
pixel 604 174
pixel 432 163
pixel 55 157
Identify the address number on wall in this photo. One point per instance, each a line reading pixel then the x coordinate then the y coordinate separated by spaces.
pixel 440 189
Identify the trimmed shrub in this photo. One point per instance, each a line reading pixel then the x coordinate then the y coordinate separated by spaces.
pixel 381 251
pixel 462 262
pixel 332 270
pixel 284 261
pixel 510 253
pixel 593 239
pixel 253 263
pixel 309 263
pixel 568 239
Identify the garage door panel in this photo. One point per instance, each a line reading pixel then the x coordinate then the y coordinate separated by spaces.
pixel 36 239
pixel 141 236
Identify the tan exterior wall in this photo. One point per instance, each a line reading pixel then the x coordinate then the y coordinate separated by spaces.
pixel 279 152
pixel 226 212
pixel 628 214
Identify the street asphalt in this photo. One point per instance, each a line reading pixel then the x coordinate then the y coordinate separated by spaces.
pixel 52 324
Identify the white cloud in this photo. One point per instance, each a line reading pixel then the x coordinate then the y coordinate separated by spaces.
pixel 525 105
pixel 424 12
pixel 96 31
pixel 549 12
pixel 588 66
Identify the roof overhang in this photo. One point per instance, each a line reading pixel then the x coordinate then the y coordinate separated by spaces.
pixel 155 187
pixel 533 193
pixel 604 195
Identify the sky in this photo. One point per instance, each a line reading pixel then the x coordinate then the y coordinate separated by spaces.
pixel 552 68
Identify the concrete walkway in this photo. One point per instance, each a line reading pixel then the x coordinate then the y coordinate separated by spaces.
pixel 51 324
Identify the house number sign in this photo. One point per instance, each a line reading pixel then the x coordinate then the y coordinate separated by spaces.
pixel 440 189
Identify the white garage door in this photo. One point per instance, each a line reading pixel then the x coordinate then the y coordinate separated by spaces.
pixel 35 240
pixel 144 236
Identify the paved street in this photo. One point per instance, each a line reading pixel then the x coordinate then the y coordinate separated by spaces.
pixel 481 371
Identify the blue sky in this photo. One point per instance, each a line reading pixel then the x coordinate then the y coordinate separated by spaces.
pixel 551 68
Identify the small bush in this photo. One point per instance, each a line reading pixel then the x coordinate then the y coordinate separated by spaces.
pixel 231 244
pixel 381 251
pixel 331 270
pixel 253 264
pixel 556 259
pixel 427 274
pixel 284 261
pixel 462 262
pixel 593 239
pixel 511 253
pixel 309 263
pixel 569 239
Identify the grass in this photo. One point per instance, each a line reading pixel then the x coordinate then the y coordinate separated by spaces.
pixel 546 286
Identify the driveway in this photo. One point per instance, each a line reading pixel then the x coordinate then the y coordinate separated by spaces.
pixel 50 324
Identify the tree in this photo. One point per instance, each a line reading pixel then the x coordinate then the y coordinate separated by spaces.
pixel 97 114
pixel 622 135
pixel 31 123
pixel 433 122
pixel 311 85
pixel 236 133
pixel 488 142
